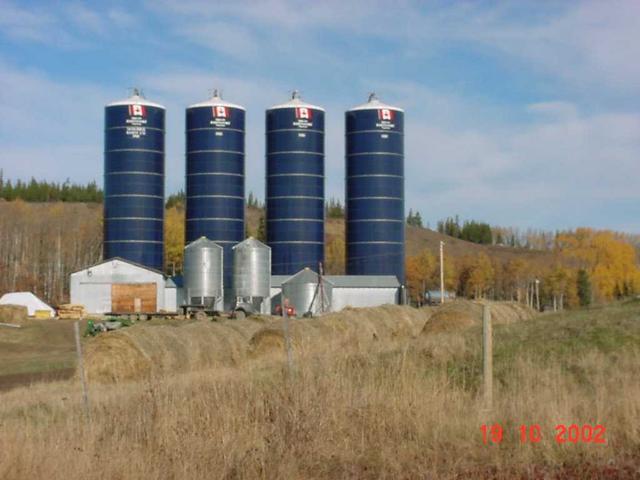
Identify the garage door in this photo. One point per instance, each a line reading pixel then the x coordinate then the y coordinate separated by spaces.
pixel 134 297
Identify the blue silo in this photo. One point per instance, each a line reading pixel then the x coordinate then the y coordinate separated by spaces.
pixel 375 190
pixel 295 186
pixel 134 181
pixel 215 169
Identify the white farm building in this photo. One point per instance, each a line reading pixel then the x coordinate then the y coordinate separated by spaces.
pixel 122 286
pixel 340 290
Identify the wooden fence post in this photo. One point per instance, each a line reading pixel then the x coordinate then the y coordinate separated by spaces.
pixel 487 356
pixel 85 393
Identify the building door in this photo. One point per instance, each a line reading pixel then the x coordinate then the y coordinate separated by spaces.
pixel 134 298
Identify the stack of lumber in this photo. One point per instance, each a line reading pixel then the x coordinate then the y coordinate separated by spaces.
pixel 71 311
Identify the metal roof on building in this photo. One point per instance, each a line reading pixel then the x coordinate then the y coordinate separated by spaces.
pixel 216 101
pixel 137 98
pixel 120 259
pixel 305 275
pixel 343 281
pixel 373 104
pixel 364 281
pixel 296 102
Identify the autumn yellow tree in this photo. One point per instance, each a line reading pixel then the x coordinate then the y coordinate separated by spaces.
pixel 559 286
pixel 174 238
pixel 476 275
pixel 610 260
pixel 420 272
pixel 335 256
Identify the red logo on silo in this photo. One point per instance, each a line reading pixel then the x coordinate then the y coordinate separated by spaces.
pixel 304 113
pixel 386 114
pixel 137 111
pixel 220 112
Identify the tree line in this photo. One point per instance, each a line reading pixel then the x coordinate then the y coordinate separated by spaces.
pixel 469 230
pixel 43 191
pixel 41 244
pixel 585 266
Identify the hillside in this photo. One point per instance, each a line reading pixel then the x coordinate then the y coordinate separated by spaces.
pixel 42 243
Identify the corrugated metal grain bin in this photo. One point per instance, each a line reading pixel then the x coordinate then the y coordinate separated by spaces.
pixel 252 274
pixel 203 269
pixel 303 293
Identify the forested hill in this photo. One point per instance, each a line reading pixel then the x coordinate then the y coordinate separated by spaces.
pixel 42 243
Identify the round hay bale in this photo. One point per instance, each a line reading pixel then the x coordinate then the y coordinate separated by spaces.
pixel 114 357
pixel 268 341
pixel 14 314
pixel 454 316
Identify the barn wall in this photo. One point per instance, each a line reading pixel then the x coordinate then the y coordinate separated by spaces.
pixel 362 297
pixel 91 287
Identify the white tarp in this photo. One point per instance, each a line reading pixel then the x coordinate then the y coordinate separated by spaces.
pixel 28 300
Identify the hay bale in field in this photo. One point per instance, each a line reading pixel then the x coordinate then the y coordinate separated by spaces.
pixel 450 319
pixel 352 329
pixel 14 314
pixel 146 350
pixel 150 349
pixel 114 357
pixel 269 341
pixel 462 314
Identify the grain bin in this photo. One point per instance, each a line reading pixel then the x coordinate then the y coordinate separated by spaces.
pixel 203 267
pixel 375 190
pixel 134 181
pixel 252 274
pixel 295 185
pixel 304 293
pixel 215 175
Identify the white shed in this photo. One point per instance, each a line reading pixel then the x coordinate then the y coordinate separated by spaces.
pixel 29 300
pixel 119 285
pixel 351 290
pixel 364 291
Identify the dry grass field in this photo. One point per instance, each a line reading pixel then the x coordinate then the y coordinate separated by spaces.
pixel 387 400
pixel 39 350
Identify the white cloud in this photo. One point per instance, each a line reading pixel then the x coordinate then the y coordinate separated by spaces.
pixel 554 109
pixel 550 173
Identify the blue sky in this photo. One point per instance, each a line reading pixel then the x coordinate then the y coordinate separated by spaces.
pixel 526 114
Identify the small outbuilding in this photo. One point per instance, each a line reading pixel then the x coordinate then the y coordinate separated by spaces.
pixel 364 291
pixel 122 286
pixel 35 306
pixel 340 290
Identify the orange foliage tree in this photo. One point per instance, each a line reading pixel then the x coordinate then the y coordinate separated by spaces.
pixel 420 272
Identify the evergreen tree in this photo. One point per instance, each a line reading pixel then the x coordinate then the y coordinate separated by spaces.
pixel 418 220
pixel 42 191
pixel 334 209
pixel 584 287
pixel 414 219
pixel 176 200
pixel 410 217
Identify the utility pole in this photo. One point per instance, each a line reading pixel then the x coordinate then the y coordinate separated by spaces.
pixel 85 393
pixel 441 271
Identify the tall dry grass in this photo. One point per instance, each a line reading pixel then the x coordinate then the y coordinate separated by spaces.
pixel 402 408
